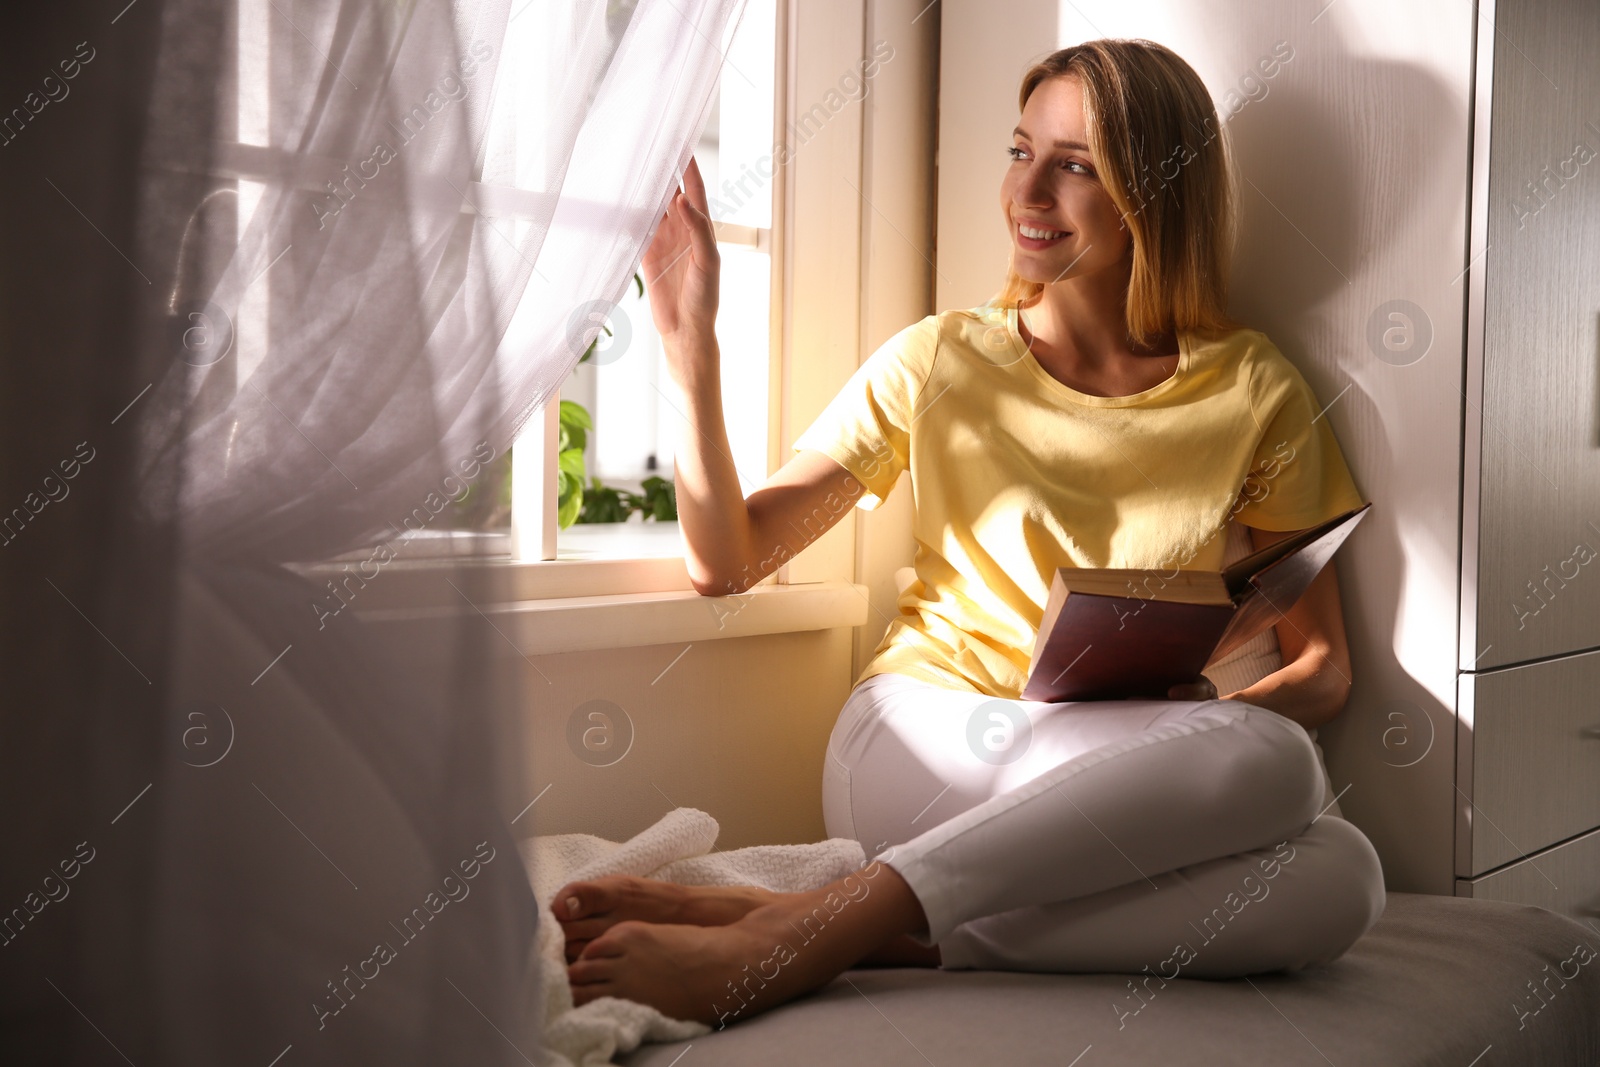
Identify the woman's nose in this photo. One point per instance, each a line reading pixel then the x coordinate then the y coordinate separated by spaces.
pixel 1030 190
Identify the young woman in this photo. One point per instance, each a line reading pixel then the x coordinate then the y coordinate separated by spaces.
pixel 1123 421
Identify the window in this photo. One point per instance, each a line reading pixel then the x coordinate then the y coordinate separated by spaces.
pixel 624 390
pixel 624 387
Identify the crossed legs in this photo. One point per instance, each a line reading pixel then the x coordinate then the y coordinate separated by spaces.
pixel 1156 837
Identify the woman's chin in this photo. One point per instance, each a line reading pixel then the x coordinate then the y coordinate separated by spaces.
pixel 1029 272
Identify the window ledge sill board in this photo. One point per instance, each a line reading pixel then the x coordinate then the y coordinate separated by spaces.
pixel 627 620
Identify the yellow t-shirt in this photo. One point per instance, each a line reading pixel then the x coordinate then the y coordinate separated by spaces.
pixel 1014 474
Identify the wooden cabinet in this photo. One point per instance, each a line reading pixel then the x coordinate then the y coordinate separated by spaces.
pixel 1528 723
pixel 1564 879
pixel 1528 752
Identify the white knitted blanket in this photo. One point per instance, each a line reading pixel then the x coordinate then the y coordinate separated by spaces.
pixel 679 848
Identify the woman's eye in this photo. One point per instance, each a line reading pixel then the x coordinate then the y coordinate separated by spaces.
pixel 1081 168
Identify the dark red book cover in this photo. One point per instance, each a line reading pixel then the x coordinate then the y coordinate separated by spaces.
pixel 1092 646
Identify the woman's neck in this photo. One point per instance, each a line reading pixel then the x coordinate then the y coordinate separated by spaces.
pixel 1083 321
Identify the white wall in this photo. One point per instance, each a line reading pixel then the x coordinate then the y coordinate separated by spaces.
pixel 1354 177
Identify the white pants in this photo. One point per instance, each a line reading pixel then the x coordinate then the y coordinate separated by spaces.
pixel 1169 837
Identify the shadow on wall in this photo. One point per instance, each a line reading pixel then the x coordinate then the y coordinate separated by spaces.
pixel 1334 167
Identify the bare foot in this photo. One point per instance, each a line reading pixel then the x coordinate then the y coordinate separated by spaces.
pixel 776 952
pixel 604 902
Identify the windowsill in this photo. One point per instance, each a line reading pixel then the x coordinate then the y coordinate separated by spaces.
pixel 634 539
pixel 590 599
pixel 593 559
pixel 626 620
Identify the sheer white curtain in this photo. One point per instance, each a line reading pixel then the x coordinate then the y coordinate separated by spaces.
pixel 441 202
pixel 291 270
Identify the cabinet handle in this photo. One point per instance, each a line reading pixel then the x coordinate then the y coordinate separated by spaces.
pixel 1589 731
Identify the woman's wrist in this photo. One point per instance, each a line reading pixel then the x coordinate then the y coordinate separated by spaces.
pixel 694 360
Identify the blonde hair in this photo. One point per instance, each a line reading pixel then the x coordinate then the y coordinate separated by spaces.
pixel 1167 166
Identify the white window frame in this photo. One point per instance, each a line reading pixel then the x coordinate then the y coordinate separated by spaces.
pixel 820 225
pixel 815 243
pixel 535 530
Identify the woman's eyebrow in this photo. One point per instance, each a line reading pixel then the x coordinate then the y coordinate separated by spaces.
pixel 1059 144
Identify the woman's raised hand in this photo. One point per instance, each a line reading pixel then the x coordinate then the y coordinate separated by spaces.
pixel 681 271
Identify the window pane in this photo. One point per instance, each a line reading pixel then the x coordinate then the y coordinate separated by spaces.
pixel 739 133
pixel 624 385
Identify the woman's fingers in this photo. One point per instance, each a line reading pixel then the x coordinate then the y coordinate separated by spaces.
pixel 694 187
pixel 697 212
pixel 669 237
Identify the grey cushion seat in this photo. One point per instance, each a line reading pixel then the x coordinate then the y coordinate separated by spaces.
pixel 1437 981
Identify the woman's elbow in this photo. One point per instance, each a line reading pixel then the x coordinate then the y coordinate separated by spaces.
pixel 1333 693
pixel 718 584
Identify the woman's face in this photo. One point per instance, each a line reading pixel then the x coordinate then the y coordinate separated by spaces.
pixel 1053 183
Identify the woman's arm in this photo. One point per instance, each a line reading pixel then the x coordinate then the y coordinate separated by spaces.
pixel 730 541
pixel 1314 681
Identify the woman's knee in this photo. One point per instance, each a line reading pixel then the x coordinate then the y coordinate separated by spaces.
pixel 1342 890
pixel 1281 768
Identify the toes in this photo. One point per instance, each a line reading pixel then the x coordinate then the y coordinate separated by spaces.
pixel 583 994
pixel 615 941
pixel 585 929
pixel 590 973
pixel 577 900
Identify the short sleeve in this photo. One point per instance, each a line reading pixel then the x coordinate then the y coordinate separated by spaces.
pixel 1298 476
pixel 866 428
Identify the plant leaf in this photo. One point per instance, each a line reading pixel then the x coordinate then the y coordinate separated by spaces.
pixel 576 414
pixel 570 463
pixel 567 510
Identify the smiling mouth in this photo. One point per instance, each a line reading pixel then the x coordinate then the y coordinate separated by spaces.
pixel 1033 243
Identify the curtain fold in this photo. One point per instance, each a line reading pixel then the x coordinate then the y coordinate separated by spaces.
pixel 440 206
pixel 281 278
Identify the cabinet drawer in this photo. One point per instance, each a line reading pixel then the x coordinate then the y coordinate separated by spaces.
pixel 1564 879
pixel 1528 756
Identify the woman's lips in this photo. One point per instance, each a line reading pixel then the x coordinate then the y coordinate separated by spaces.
pixel 1034 244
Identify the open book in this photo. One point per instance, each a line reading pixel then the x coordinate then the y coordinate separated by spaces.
pixel 1110 633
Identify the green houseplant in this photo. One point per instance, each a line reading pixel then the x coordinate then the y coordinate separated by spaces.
pixel 597 502
pixel 487 504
